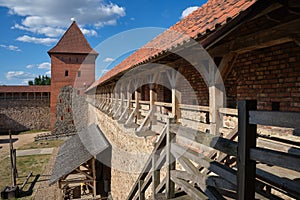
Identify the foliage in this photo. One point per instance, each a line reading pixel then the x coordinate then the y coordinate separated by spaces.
pixel 40 80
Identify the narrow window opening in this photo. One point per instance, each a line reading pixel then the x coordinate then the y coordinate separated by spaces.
pixel 61 118
pixel 79 73
pixel 275 106
pixel 66 73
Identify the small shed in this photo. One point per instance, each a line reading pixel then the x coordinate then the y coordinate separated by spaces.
pixel 83 161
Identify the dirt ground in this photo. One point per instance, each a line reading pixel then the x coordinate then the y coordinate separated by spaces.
pixel 19 141
pixel 41 190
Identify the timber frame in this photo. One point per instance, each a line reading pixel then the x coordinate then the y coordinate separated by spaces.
pixel 217 160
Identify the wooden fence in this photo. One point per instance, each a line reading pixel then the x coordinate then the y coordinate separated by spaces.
pixel 194 164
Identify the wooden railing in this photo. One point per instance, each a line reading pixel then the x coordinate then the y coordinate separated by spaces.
pixel 235 165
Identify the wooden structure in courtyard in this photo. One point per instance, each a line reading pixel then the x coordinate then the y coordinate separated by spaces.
pixel 80 168
pixel 214 143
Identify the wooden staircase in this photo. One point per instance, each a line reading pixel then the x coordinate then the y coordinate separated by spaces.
pixel 190 164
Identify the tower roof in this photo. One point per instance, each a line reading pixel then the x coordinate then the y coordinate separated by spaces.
pixel 73 41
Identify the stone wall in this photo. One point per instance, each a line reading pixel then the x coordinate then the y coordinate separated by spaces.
pixel 129 152
pixel 22 115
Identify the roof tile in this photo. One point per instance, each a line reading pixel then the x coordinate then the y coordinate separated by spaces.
pixel 199 22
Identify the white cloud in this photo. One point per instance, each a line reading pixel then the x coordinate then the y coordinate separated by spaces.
pixel 108 60
pixel 188 11
pixel 19 75
pixel 10 47
pixel 30 66
pixel 44 65
pixel 48 73
pixel 44 41
pixel 51 18
pixel 88 32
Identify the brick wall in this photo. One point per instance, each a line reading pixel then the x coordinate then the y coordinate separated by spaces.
pixel 22 115
pixel 81 73
pixel 270 76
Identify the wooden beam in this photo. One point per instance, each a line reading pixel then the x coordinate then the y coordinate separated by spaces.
pixel 269 37
pixel 247 140
pixel 275 118
pixel 155 174
pixel 94 177
pixel 141 193
pixel 222 170
pixel 216 96
pixel 189 189
pixel 276 158
pixel 170 163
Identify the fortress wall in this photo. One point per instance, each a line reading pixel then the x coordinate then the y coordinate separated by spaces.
pixel 22 115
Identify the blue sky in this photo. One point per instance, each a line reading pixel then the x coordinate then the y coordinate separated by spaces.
pixel 114 28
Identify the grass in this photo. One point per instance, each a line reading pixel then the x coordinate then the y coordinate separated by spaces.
pixel 42 144
pixel 25 164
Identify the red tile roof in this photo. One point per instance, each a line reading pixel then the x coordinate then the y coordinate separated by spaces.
pixel 29 88
pixel 73 41
pixel 213 14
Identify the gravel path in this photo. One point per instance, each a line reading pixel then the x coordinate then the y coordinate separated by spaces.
pixel 43 191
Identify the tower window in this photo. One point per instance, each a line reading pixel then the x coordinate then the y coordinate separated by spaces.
pixel 61 118
pixel 66 73
pixel 79 73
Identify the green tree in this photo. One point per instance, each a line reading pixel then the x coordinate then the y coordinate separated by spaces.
pixel 40 80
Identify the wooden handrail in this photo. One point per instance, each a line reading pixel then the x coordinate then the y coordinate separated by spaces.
pixel 194 107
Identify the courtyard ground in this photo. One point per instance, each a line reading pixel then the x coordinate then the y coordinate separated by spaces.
pixel 38 163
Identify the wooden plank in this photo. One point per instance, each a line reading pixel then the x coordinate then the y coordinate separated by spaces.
pixel 279 146
pixel 141 193
pixel 228 111
pixel 276 118
pixel 276 158
pixel 161 187
pixel 145 121
pixel 164 104
pixel 216 142
pixel 293 188
pixel 155 173
pixel 222 170
pixel 201 180
pixel 247 140
pixel 170 162
pixel 189 189
pixel 194 107
pixel 146 182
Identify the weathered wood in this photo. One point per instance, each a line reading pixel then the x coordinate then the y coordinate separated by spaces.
pixel 170 163
pixel 216 142
pixel 146 182
pixel 285 184
pixel 194 107
pixel 189 189
pixel 246 141
pixel 164 104
pixel 202 179
pixel 145 121
pixel 155 174
pixel 276 118
pixel 222 170
pixel 94 177
pixel 269 37
pixel 161 187
pixel 279 146
pixel 276 158
pixel 228 111
pixel 141 193
pixel 84 173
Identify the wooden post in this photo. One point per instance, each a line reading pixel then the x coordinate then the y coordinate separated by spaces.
pixel 246 140
pixel 13 161
pixel 137 96
pixel 141 193
pixel 153 98
pixel 155 174
pixel 94 177
pixel 216 99
pixel 170 162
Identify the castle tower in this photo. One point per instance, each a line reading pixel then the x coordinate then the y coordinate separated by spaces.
pixel 72 64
